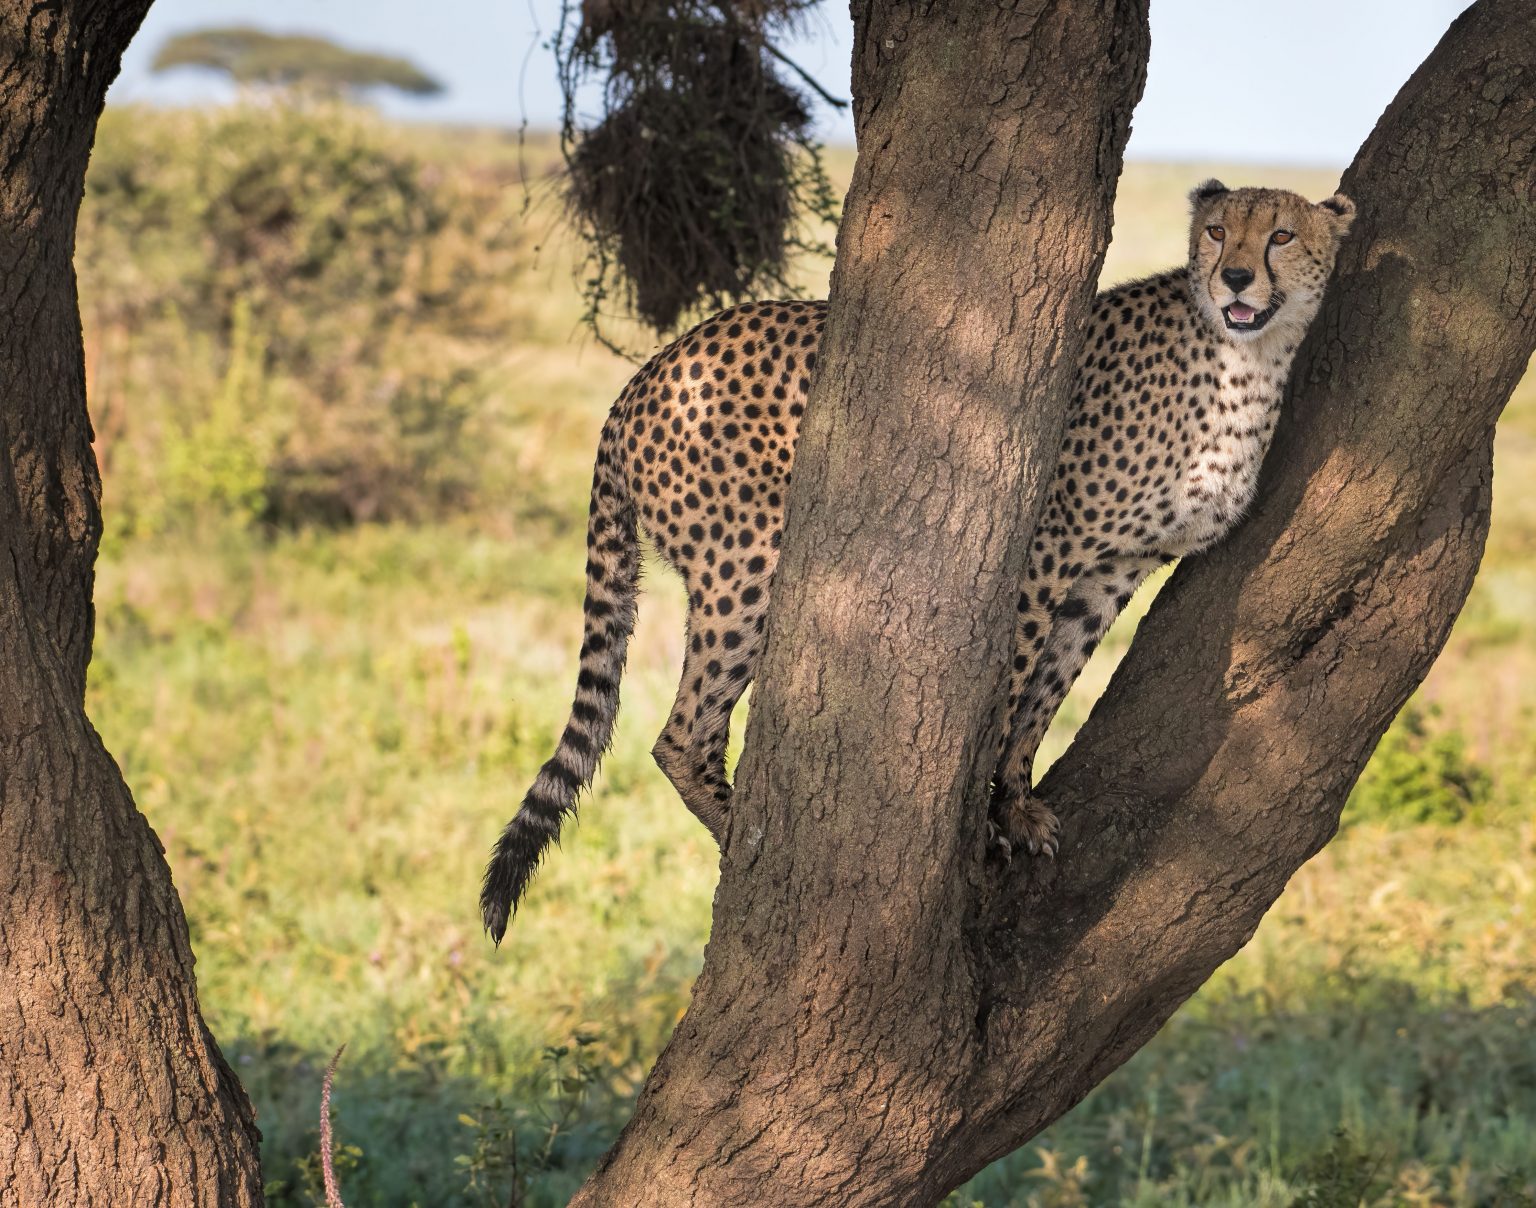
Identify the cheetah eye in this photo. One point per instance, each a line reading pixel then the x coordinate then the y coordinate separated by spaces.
pixel 1281 237
pixel 1218 233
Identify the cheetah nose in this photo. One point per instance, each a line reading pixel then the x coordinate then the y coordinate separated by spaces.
pixel 1237 278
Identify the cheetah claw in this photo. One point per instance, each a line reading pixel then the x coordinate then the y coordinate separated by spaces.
pixel 997 841
pixel 1045 845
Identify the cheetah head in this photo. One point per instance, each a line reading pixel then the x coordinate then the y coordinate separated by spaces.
pixel 1259 258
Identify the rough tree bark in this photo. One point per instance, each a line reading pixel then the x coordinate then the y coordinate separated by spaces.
pixel 111 1089
pixel 880 1014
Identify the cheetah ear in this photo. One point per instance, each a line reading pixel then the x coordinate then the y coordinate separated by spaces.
pixel 1203 193
pixel 1341 213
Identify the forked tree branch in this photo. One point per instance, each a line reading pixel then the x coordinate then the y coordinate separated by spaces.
pixel 880 1012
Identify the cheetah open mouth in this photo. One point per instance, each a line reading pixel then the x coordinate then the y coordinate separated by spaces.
pixel 1242 317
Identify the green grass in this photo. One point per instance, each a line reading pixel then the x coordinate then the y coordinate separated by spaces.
pixel 327 730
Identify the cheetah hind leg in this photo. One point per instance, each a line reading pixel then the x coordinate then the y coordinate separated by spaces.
pixel 698 775
pixel 691 748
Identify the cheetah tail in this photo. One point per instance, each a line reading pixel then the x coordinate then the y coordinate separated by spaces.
pixel 613 571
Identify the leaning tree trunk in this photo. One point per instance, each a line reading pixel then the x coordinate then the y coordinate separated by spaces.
pixel 111 1090
pixel 880 1014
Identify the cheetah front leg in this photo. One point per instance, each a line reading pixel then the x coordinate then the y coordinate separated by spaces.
pixel 721 659
pixel 1046 665
pixel 1017 819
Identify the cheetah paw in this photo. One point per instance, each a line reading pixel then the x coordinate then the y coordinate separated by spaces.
pixel 1025 823
pixel 1042 834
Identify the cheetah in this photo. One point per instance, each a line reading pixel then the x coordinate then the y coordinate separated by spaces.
pixel 1174 403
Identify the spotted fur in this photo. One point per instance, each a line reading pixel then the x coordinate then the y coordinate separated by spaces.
pixel 1174 405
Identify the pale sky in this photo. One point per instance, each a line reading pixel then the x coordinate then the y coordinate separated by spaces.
pixel 1292 82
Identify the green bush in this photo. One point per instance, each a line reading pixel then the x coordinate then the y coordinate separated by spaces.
pixel 1420 773
pixel 289 314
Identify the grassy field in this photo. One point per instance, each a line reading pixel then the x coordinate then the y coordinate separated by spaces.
pixel 328 716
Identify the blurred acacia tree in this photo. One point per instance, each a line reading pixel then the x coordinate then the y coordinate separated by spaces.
pixel 250 56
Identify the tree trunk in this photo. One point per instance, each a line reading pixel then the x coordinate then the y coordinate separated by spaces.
pixel 880 1013
pixel 111 1089
pixel 834 1029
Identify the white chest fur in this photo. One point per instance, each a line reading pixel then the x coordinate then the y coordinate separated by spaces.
pixel 1224 453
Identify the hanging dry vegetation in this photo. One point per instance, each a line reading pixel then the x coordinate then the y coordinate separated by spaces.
pixel 693 184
